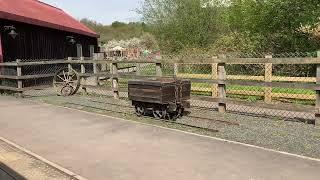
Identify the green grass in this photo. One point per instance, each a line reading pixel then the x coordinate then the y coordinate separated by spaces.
pixel 258 89
pixel 149 69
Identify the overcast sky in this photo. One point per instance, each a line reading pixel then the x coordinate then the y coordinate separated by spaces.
pixel 102 11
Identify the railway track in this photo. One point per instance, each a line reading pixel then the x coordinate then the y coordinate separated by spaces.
pixel 147 117
pixel 188 113
pixel 124 107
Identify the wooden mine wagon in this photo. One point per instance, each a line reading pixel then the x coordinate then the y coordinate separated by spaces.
pixel 166 98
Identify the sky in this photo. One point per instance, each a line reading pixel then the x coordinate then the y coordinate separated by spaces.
pixel 102 11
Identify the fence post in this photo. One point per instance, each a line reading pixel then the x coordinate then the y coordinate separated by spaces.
pixel 83 67
pixel 69 65
pixel 100 56
pixel 115 80
pixel 175 69
pixel 214 74
pixel 222 94
pixel 317 120
pixel 83 79
pixel 19 74
pixel 158 69
pixel 268 79
pixel 138 69
pixel 95 70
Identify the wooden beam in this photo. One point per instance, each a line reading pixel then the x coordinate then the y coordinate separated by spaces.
pixel 115 80
pixel 158 69
pixel 8 64
pixel 175 70
pixel 37 76
pixel 317 122
pixel 214 74
pixel 138 69
pixel 222 94
pixel 19 82
pixel 11 88
pixel 268 79
pixel 95 70
pixel 307 60
pixel 82 78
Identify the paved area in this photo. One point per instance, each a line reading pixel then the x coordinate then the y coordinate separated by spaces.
pixel 16 164
pixel 100 148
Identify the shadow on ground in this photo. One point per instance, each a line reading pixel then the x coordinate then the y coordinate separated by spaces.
pixel 7 173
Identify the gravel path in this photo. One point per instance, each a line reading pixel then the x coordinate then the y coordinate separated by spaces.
pixel 17 165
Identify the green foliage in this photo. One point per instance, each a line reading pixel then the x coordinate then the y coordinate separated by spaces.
pixel 117 30
pixel 148 41
pixel 132 34
pixel 277 23
pixel 270 26
pixel 180 24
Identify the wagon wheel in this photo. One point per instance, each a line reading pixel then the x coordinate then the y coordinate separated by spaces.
pixel 66 82
pixel 159 112
pixel 140 110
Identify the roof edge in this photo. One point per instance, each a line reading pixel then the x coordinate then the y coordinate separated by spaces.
pixel 18 18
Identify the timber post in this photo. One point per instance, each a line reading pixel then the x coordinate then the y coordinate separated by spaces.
pixel 103 64
pixel 222 92
pixel 138 69
pixel 115 80
pixel 69 64
pixel 214 76
pixel 175 70
pixel 95 69
pixel 83 71
pixel 158 69
pixel 83 67
pixel 317 120
pixel 268 79
pixel 19 82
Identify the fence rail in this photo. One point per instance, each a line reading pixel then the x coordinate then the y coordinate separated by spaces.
pixel 216 87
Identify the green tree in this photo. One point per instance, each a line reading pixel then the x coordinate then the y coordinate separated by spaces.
pixel 180 24
pixel 117 30
pixel 233 25
pixel 276 23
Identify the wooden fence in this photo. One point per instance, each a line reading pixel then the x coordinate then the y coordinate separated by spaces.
pixel 268 95
pixel 218 79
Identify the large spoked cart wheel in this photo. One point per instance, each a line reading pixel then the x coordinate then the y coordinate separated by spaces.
pixel 66 82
